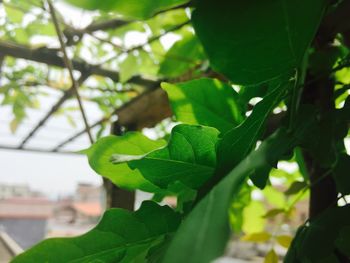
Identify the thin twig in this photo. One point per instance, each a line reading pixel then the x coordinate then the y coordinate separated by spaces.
pixel 69 66
pixel 149 41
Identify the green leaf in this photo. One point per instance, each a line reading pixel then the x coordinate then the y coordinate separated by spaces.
pixel 274 212
pixel 128 68
pixel 189 157
pixel 238 205
pixel 206 228
pixel 253 220
pixel 296 187
pixel 331 259
pixel 137 9
pixel 21 35
pixel 257 237
pixel 341 174
pixel 255 41
pixel 167 20
pixel 239 141
pixel 271 257
pixel 284 240
pixel 132 143
pixel 121 236
pixel 299 158
pixel 205 101
pixel 343 241
pixel 307 245
pixel 14 125
pixel 184 55
pixel 38 27
pixel 274 197
pixel 14 15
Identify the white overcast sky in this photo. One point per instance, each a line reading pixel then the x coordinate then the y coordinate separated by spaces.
pixel 53 174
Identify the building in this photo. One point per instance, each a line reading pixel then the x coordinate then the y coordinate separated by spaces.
pixel 9 191
pixel 77 215
pixel 87 193
pixel 25 219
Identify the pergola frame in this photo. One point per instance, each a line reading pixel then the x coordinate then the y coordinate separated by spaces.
pixel 145 110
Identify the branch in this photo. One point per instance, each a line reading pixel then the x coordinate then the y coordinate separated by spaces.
pixel 73 35
pixel 51 57
pixel 149 41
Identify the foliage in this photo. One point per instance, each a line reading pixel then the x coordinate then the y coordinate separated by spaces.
pixel 226 145
pixel 121 236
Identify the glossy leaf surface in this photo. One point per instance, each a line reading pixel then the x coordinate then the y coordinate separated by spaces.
pixel 132 143
pixel 137 9
pixel 121 236
pixel 255 41
pixel 205 101
pixel 189 157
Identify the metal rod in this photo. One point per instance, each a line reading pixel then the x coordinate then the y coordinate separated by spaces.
pixel 69 66
pixel 54 108
pixel 13 148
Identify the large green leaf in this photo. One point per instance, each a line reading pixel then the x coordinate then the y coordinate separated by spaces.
pixel 332 225
pixel 132 143
pixel 206 102
pixel 183 56
pixel 255 41
pixel 137 9
pixel 121 236
pixel 189 157
pixel 239 141
pixel 203 235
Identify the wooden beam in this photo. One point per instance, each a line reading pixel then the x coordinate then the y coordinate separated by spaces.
pixel 51 57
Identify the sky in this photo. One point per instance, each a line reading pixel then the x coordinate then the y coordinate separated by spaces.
pixel 54 174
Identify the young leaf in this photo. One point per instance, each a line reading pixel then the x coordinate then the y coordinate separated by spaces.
pixel 253 220
pixel 271 257
pixel 257 237
pixel 181 57
pixel 189 157
pixel 128 68
pixel 295 188
pixel 121 236
pixel 274 212
pixel 132 143
pixel 239 141
pixel 14 15
pixel 255 41
pixel 137 9
pixel 284 240
pixel 205 101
